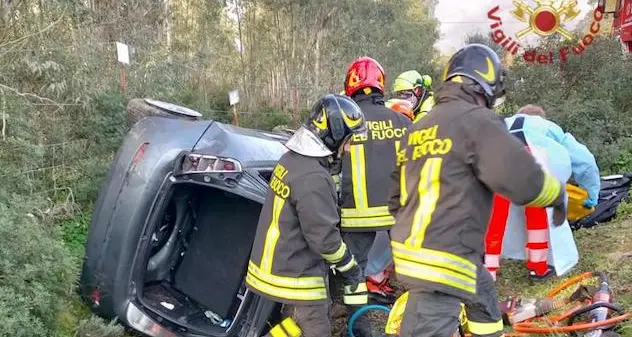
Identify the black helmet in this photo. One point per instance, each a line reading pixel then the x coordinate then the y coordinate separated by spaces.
pixel 482 65
pixel 334 118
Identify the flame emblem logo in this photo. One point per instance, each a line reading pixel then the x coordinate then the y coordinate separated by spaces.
pixel 546 18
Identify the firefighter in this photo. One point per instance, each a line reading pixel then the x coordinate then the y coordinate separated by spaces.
pixel 413 87
pixel 297 235
pixel 366 169
pixel 449 165
pixel 561 153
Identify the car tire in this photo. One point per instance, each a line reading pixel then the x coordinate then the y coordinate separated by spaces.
pixel 139 108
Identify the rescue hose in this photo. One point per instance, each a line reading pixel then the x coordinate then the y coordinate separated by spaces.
pixel 530 327
pixel 361 312
pixel 604 322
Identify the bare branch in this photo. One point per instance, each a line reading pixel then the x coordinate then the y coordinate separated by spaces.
pixel 32 34
pixel 28 94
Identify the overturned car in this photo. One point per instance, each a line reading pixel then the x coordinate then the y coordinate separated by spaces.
pixel 173 225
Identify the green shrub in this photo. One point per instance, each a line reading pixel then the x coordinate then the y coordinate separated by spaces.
pixel 36 273
pixel 96 327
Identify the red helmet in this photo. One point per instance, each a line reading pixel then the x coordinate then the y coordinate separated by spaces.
pixel 362 73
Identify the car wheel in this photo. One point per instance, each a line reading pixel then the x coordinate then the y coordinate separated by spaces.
pixel 138 108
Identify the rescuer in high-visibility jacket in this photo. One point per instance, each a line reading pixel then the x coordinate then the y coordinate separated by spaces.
pixel 449 165
pixel 366 169
pixel 413 87
pixel 297 236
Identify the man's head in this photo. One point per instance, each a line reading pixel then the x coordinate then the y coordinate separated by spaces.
pixel 413 87
pixel 533 110
pixel 479 68
pixel 334 119
pixel 364 74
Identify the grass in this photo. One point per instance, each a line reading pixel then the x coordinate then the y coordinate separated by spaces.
pixel 606 248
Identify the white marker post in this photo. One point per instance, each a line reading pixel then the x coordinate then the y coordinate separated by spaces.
pixel 233 99
pixel 122 53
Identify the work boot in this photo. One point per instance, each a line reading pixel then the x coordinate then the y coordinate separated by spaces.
pixel 380 292
pixel 539 278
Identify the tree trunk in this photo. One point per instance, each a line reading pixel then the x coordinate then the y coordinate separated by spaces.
pixel 168 29
pixel 241 48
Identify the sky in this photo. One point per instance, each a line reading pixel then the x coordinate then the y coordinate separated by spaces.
pixel 459 18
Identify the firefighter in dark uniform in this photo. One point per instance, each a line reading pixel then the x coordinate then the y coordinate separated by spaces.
pixel 297 235
pixel 451 162
pixel 367 166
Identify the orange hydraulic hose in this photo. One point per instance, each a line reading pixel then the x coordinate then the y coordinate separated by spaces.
pixel 507 334
pixel 558 318
pixel 531 328
pixel 569 283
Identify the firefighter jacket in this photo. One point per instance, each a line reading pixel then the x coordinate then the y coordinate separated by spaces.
pixel 425 107
pixel 297 234
pixel 449 165
pixel 367 166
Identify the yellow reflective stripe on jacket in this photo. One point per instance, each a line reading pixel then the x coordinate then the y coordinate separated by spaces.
pixel 272 236
pixel 366 217
pixel 435 258
pixel 403 193
pixel 358 176
pixel 383 221
pixel 435 266
pixel 292 288
pixel 336 256
pixel 368 212
pixel 305 282
pixel 290 294
pixel 429 188
pixel 435 275
pixel 480 329
pixel 550 191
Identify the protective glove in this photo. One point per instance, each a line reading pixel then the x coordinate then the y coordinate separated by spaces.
pixel 590 203
pixel 559 209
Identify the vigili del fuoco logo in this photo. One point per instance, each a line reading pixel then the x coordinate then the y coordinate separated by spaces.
pixel 544 18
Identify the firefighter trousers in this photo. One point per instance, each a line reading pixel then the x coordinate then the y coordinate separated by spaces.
pixel 313 320
pixel 435 314
pixel 359 244
pixel 537 246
